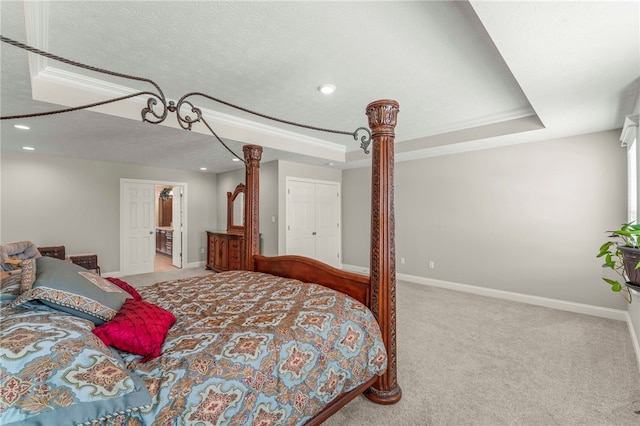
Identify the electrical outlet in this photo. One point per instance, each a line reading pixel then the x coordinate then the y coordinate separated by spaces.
pixel 201 250
pixel 402 260
pixel 432 264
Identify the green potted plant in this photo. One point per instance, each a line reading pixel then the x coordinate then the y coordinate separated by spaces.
pixel 622 255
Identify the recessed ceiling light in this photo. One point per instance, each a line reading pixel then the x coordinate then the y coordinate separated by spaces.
pixel 235 159
pixel 203 168
pixel 21 126
pixel 327 89
pixel 28 148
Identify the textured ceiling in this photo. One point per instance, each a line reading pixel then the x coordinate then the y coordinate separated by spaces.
pixel 466 75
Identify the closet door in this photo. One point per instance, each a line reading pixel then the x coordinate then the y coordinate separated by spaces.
pixel 313 220
pixel 301 218
pixel 327 209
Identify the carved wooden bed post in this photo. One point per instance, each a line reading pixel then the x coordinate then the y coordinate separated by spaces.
pixel 382 121
pixel 252 157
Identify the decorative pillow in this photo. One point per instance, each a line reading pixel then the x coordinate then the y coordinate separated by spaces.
pixel 10 286
pixel 139 327
pixel 19 250
pixel 73 289
pixel 28 274
pixel 126 287
pixel 55 371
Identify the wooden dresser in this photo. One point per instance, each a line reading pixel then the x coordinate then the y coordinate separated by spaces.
pixel 164 241
pixel 224 251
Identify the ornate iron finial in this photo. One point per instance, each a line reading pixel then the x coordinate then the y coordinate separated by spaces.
pixel 365 140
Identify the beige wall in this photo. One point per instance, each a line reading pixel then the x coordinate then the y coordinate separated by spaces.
pixel 76 203
pixel 527 218
pixel 269 208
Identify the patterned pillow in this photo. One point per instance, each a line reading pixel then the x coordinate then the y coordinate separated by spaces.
pixel 28 274
pixel 55 371
pixel 73 289
pixel 10 286
pixel 139 327
pixel 126 287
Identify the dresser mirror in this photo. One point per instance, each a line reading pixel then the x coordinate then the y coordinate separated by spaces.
pixel 235 210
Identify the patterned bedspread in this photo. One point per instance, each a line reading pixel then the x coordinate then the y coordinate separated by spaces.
pixel 250 348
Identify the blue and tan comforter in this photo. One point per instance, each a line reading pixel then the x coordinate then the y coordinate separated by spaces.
pixel 247 348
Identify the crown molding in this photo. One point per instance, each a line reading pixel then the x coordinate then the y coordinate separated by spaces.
pixel 629 130
pixel 63 87
pixel 36 17
pixel 486 120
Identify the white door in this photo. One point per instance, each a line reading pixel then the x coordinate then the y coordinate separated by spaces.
pixel 301 220
pixel 313 220
pixel 328 224
pixel 176 218
pixel 139 238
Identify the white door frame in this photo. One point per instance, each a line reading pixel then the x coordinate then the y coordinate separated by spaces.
pixel 177 211
pixel 184 214
pixel 288 179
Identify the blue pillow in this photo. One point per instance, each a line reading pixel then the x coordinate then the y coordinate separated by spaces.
pixel 55 371
pixel 10 286
pixel 71 288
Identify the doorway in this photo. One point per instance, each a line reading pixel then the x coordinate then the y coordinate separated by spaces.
pixel 152 226
pixel 165 234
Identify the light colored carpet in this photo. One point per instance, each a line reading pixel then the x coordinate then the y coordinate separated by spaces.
pixel 142 280
pixel 465 359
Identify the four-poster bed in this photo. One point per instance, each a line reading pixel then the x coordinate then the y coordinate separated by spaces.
pixel 324 334
pixel 378 291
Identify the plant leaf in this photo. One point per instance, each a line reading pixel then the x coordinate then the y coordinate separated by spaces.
pixel 608 261
pixel 605 248
pixel 615 285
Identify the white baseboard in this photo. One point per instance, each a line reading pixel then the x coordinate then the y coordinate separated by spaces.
pixel 616 314
pixel 353 268
pixel 119 274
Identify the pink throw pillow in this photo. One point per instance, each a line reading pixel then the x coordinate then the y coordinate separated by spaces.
pixel 139 327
